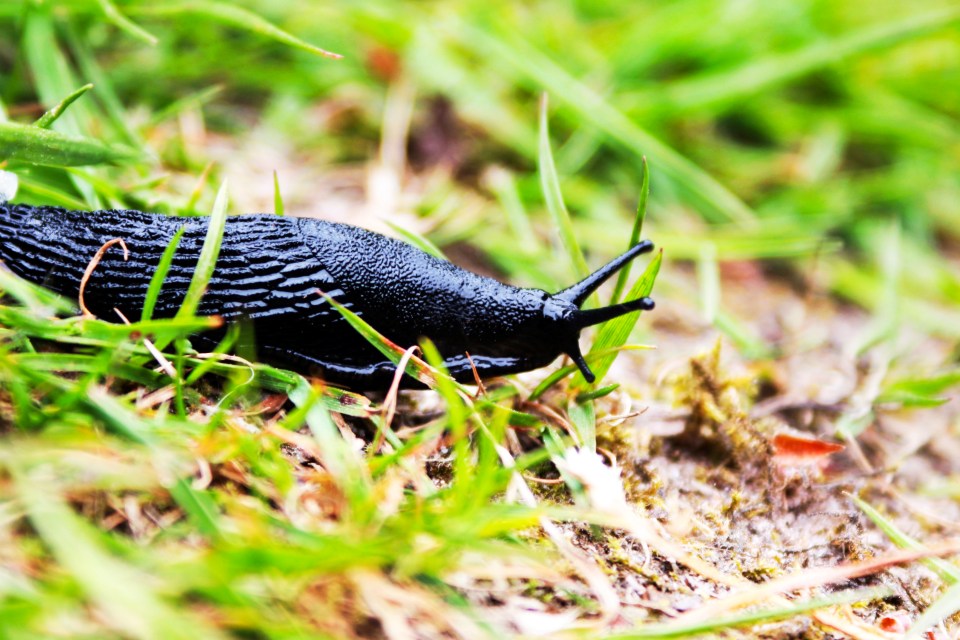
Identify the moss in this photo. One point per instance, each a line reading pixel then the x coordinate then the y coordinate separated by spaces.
pixel 719 420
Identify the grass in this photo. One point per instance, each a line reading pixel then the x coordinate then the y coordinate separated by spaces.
pixel 795 162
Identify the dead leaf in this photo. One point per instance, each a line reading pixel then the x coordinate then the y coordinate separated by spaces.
pixel 791 449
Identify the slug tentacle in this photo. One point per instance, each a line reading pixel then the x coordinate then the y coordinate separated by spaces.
pixel 578 293
pixel 270 269
pixel 591 317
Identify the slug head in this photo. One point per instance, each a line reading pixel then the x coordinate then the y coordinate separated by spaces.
pixel 562 310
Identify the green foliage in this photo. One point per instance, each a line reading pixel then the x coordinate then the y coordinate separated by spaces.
pixel 38 145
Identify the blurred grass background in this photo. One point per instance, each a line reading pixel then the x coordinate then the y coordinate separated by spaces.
pixel 819 138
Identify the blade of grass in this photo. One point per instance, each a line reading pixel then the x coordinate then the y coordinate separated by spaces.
pixel 583 417
pixel 457 416
pixel 35 190
pixel 104 92
pixel 512 52
pixel 81 363
pixel 186 103
pixel 550 184
pixel 337 456
pixel 417 240
pixel 942 608
pixel 504 186
pixel 624 274
pixel 54 78
pixel 708 277
pixel 597 393
pixel 416 368
pixel 38 301
pixel 45 147
pixel 750 345
pixel 199 507
pixel 51 116
pixel 236 17
pixel 718 88
pixel 277 196
pixel 116 588
pixel 948 571
pixel 163 267
pixel 208 256
pixel 125 24
pixel 921 390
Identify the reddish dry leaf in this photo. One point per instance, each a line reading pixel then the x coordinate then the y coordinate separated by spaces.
pixel 791 449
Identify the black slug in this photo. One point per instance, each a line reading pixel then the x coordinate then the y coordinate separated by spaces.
pixel 269 273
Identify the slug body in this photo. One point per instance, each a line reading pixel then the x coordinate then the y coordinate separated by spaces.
pixel 270 272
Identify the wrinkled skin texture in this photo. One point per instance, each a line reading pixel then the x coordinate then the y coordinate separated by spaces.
pixel 269 274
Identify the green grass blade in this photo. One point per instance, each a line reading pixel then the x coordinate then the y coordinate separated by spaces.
pixel 757 75
pixel 942 608
pixel 586 396
pixel 514 53
pixel 199 507
pixel 125 24
pixel 417 240
pixel 189 101
pixel 504 187
pixel 38 301
pixel 948 571
pixel 45 147
pixel 54 78
pixel 392 351
pixel 277 196
pixel 208 256
pixel 457 416
pixel 104 91
pixel 163 267
pixel 51 116
pixel 921 390
pixel 80 363
pixel 550 183
pixel 583 417
pixel 118 589
pixel 35 190
pixel 238 17
pixel 624 274
pixel 708 278
pixel 337 456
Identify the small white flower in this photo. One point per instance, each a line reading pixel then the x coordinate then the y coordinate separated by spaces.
pixel 601 483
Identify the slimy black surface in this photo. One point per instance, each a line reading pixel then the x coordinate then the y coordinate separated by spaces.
pixel 270 272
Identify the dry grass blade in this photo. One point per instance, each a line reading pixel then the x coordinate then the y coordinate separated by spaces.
pixel 389 407
pixel 92 265
pixel 165 365
pixel 816 577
